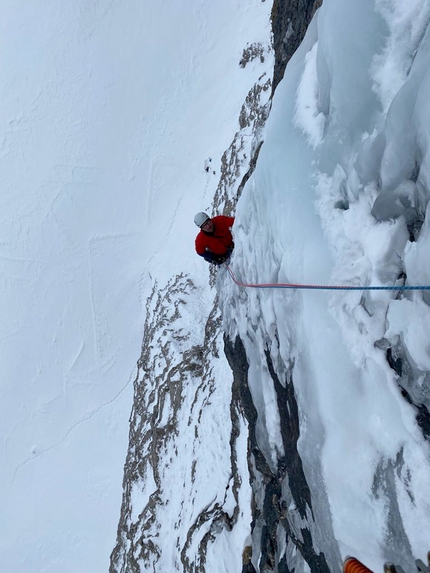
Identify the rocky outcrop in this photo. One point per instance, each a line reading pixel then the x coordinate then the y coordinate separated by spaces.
pixel 417 394
pixel 166 515
pixel 290 20
pixel 280 519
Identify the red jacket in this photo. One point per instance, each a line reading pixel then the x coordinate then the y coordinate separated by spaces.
pixel 215 247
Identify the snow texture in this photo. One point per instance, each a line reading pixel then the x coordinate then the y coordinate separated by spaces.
pixel 109 112
pixel 117 125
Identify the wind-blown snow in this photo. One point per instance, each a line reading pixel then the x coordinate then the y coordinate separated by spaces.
pixel 338 196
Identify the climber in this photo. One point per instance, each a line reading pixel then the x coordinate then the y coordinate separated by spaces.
pixel 214 242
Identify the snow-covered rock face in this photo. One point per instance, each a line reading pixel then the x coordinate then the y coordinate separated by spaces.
pixel 313 444
pixel 339 195
pixel 177 497
pixel 187 496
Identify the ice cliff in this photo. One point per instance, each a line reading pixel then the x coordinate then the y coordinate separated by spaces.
pixel 281 430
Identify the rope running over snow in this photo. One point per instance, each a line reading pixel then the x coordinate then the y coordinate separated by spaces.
pixel 322 287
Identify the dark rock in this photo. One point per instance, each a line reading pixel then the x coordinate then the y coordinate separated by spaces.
pixel 271 513
pixel 290 20
pixel 416 394
pixel 290 432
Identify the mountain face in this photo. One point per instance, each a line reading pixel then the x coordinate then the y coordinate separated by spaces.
pixel 281 430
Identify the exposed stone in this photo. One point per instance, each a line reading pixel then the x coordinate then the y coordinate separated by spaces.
pixel 271 516
pixel 251 52
pixel 290 20
pixel 416 394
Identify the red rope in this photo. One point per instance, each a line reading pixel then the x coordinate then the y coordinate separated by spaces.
pixel 268 285
pixel 322 287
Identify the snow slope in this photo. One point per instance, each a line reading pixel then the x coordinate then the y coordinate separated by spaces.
pixel 109 114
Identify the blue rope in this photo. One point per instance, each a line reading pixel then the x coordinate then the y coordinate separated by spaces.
pixel 341 287
pixel 323 287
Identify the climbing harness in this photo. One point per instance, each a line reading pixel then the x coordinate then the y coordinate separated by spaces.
pixel 321 287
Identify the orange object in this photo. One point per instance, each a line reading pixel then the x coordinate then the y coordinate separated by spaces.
pixel 353 565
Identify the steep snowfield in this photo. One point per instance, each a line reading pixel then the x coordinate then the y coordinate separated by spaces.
pixel 340 195
pixel 109 113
